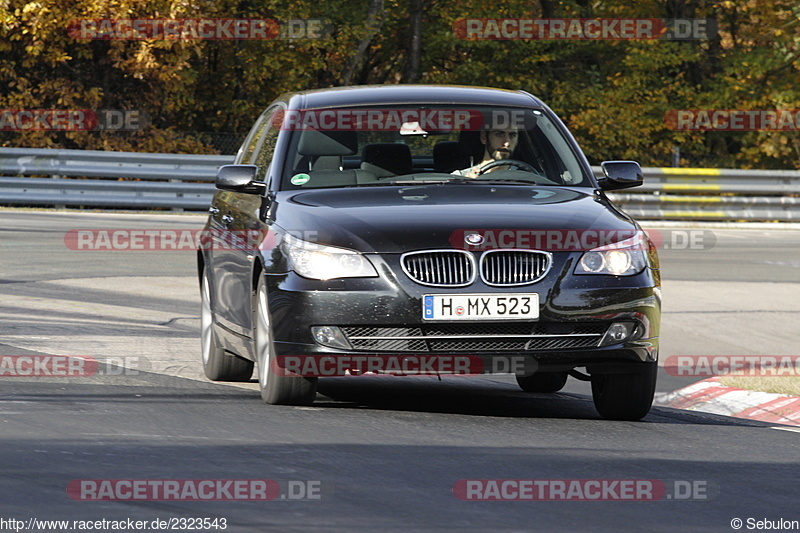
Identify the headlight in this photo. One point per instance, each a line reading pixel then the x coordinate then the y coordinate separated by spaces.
pixel 316 261
pixel 623 258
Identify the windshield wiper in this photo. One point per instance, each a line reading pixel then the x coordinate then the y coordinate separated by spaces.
pixel 403 183
pixel 383 183
pixel 495 181
pixel 458 180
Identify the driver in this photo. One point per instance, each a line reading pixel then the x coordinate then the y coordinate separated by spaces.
pixel 498 144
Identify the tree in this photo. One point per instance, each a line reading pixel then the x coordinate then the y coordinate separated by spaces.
pixel 614 94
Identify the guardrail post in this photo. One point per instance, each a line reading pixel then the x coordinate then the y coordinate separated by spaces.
pixel 177 209
pixel 59 206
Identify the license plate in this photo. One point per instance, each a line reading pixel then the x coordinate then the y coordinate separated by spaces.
pixel 480 306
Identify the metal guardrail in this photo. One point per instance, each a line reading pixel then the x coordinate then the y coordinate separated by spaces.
pixel 151 180
pixel 713 195
pixel 100 164
pixel 142 180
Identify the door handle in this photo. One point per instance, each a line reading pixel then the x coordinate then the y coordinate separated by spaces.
pixel 213 211
pixel 227 220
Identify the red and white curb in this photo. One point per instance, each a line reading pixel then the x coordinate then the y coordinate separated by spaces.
pixel 709 396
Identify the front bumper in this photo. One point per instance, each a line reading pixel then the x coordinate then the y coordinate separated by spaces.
pixel 382 316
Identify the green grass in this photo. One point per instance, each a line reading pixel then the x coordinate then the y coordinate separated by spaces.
pixel 776 384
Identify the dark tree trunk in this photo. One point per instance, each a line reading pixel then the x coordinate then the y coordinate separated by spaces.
pixel 373 23
pixel 415 9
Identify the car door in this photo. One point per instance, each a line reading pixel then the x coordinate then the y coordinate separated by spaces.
pixel 238 230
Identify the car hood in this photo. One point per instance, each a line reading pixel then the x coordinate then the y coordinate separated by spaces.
pixel 392 219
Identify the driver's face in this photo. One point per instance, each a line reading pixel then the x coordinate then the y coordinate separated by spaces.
pixel 500 144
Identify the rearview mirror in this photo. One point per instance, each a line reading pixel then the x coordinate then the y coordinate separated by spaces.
pixel 620 175
pixel 239 178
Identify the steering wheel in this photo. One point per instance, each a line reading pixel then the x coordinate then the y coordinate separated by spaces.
pixel 522 165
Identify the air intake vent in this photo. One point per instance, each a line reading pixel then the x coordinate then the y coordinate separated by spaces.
pixel 508 268
pixel 440 268
pixel 510 336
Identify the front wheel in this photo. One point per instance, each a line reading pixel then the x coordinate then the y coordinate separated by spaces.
pixel 625 396
pixel 218 365
pixel 276 388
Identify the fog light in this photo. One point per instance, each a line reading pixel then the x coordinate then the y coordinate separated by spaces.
pixel 330 336
pixel 617 332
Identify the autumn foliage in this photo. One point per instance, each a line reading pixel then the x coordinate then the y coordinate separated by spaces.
pixel 613 94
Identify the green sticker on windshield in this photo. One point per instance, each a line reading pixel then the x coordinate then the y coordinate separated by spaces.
pixel 300 179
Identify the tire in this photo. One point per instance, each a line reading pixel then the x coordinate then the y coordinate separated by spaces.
pixel 625 396
pixel 275 389
pixel 217 364
pixel 543 382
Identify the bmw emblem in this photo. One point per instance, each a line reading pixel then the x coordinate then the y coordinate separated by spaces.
pixel 473 239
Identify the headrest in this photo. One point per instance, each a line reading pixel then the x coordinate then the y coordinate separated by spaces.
pixel 447 156
pixel 392 157
pixel 470 145
pixel 314 142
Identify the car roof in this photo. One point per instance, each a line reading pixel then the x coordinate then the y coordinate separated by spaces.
pixel 408 94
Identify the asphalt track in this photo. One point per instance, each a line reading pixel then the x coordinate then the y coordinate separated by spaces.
pixel 380 453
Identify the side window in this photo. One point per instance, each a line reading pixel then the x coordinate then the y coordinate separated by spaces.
pixel 266 143
pixel 245 155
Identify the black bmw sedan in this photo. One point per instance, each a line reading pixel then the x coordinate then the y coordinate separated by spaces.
pixel 426 230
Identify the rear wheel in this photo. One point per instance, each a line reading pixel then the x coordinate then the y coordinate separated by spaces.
pixel 275 388
pixel 625 396
pixel 218 365
pixel 543 382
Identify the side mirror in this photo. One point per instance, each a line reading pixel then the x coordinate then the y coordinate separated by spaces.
pixel 620 175
pixel 239 178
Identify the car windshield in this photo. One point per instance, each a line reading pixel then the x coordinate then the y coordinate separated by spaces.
pixel 373 146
